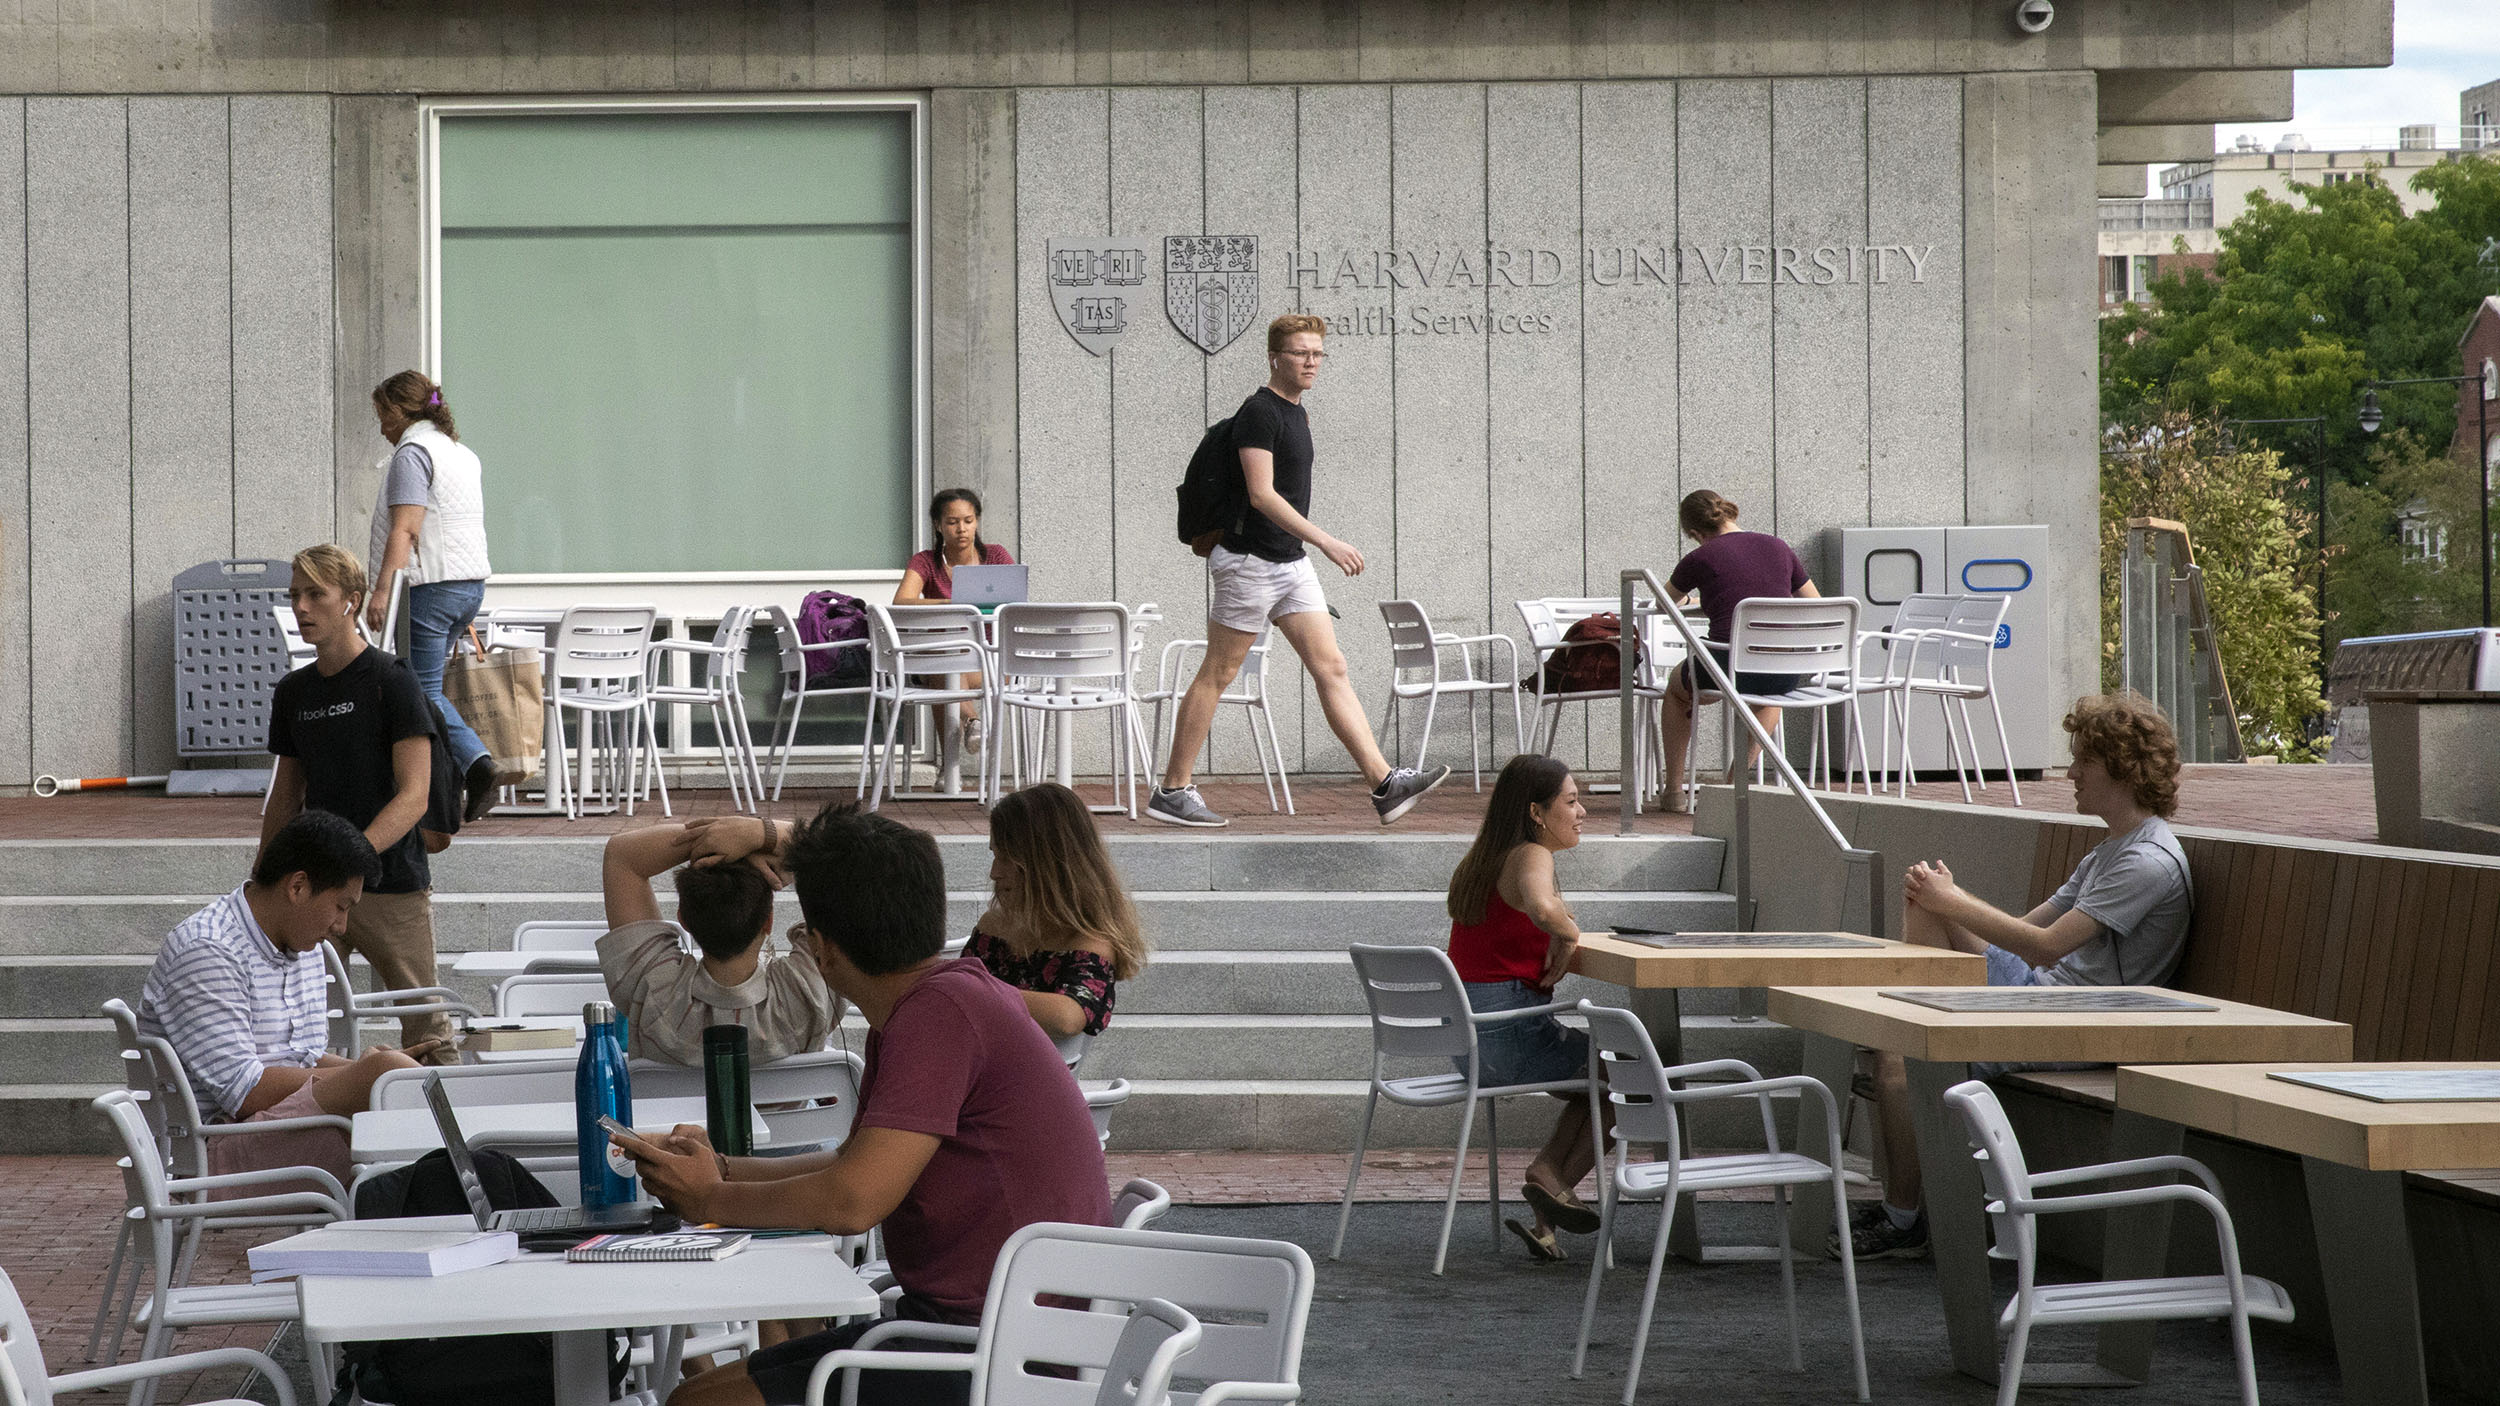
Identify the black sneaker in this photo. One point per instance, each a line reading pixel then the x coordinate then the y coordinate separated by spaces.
pixel 481 787
pixel 1873 1236
pixel 1398 793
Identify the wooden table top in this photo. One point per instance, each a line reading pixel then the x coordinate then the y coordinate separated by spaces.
pixel 2239 1100
pixel 2232 1032
pixel 1626 962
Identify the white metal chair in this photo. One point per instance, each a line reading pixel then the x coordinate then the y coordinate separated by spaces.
pixel 2015 1206
pixel 1961 670
pixel 721 664
pixel 1251 1298
pixel 298 654
pixel 23 1381
pixel 598 667
pixel 1055 662
pixel 796 691
pixel 153 1074
pixel 1549 621
pixel 1140 1204
pixel 909 643
pixel 804 1098
pixel 1417 648
pixel 548 993
pixel 1813 636
pixel 1419 1011
pixel 1248 691
pixel 1645 1095
pixel 1100 1101
pixel 1892 660
pixel 346 1034
pixel 480 1085
pixel 560 944
pixel 161 1206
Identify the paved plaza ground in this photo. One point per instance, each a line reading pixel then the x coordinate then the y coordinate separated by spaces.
pixel 1494 1329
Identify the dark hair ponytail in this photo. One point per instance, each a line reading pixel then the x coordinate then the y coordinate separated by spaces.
pixel 414 397
pixel 937 509
pixel 1703 513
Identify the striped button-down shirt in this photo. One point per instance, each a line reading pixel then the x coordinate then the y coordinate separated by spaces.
pixel 233 1003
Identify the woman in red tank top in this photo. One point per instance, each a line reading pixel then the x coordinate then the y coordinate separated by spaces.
pixel 1512 938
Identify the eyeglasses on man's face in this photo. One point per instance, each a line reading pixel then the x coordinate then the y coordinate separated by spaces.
pixel 1313 354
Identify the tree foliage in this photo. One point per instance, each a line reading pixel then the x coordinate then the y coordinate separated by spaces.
pixel 2376 583
pixel 2257 555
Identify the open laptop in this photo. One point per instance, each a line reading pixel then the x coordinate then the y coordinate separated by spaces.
pixel 990 585
pixel 536 1220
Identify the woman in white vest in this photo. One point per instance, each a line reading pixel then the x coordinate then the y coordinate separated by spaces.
pixel 430 525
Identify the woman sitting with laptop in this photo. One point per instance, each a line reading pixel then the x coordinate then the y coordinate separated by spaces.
pixel 929 577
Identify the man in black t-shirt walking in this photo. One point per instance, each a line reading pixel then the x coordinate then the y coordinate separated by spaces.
pixel 354 737
pixel 1261 575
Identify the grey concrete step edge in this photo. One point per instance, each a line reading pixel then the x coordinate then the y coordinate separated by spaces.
pixel 1149 862
pixel 1266 920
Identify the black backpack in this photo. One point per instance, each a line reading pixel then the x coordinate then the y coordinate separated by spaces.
pixel 504 1369
pixel 1214 496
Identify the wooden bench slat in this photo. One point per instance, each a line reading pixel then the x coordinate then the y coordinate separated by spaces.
pixel 2474 1036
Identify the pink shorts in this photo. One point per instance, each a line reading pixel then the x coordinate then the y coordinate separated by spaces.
pixel 325 1148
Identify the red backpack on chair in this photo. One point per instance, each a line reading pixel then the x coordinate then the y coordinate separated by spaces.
pixel 1590 660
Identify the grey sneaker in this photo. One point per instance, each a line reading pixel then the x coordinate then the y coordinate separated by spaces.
pixel 1182 806
pixel 1397 795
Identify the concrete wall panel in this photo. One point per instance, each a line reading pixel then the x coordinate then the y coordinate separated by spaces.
pixel 1251 188
pixel 181 386
pixel 1443 481
pixel 1063 190
pixel 1628 351
pixel 16 693
pixel 1819 313
pixel 1533 135
pixel 78 432
pixel 972 297
pixel 1724 364
pixel 1914 337
pixel 1344 136
pixel 375 261
pixel 286 495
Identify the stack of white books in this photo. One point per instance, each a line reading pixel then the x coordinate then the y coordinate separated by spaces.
pixel 372 1251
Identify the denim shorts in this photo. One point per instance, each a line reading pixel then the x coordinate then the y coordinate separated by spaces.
pixel 1532 1050
pixel 2006 969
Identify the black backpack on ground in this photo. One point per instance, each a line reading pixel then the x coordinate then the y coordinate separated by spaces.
pixel 505 1369
pixel 1213 495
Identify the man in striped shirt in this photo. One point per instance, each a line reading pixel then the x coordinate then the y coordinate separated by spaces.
pixel 239 991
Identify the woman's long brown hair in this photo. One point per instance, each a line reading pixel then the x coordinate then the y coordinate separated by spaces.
pixel 1526 780
pixel 1070 891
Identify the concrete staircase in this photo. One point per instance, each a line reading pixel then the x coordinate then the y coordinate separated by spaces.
pixel 1246 1031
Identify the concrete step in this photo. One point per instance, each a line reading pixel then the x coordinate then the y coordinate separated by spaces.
pixel 69 986
pixel 1150 862
pixel 60 1051
pixel 1248 921
pixel 54 1119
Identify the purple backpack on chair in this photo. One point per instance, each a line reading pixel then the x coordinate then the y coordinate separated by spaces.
pixel 826 616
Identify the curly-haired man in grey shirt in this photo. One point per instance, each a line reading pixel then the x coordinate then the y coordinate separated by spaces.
pixel 2121 919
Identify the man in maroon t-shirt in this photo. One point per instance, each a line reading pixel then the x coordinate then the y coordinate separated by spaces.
pixel 970 1127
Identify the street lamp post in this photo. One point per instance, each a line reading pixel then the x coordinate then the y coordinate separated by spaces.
pixel 2317 477
pixel 2371 419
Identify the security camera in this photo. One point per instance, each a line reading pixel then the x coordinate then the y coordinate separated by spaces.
pixel 2033 16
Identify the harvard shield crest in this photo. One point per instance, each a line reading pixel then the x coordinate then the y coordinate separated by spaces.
pixel 1095 284
pixel 1211 286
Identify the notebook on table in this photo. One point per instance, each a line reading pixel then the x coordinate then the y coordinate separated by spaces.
pixel 537 1220
pixel 682 1247
pixel 379 1251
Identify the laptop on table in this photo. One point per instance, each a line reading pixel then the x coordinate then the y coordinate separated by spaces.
pixel 536 1220
pixel 986 586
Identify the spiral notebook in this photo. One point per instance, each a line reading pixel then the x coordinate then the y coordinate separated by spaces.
pixel 658 1249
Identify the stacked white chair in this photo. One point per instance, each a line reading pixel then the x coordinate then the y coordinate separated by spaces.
pixel 796 692
pixel 1058 662
pixel 2015 1206
pixel 910 643
pixel 1892 660
pixel 1419 1011
pixel 1645 1096
pixel 1415 648
pixel 599 668
pixel 720 663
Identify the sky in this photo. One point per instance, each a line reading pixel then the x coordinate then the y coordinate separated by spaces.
pixel 2442 48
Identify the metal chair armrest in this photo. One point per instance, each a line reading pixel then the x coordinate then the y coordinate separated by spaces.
pixel 2111 1200
pixel 211 1359
pixel 1752 1088
pixel 2103 1171
pixel 861 643
pixel 421 1008
pixel 268 1176
pixel 1492 1017
pixel 852 1360
pixel 965 1333
pixel 309 1201
pixel 273 1125
pixel 405 993
pixel 1736 1067
pixel 1220 1392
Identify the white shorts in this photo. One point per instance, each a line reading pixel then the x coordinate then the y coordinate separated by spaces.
pixel 1251 592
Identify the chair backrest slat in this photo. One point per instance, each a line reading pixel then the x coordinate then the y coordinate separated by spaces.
pixel 1635 1079
pixel 558 935
pixel 1788 635
pixel 1971 615
pixel 2002 1170
pixel 479 1085
pixel 549 993
pixel 602 644
pixel 1038 640
pixel 958 626
pixel 1410 634
pixel 1418 1005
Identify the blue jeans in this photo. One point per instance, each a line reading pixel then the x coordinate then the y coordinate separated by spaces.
pixel 437 611
pixel 1530 1050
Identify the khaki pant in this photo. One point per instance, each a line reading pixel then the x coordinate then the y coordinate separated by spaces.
pixel 395 934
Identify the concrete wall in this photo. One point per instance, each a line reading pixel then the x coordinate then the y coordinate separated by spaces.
pixel 165 394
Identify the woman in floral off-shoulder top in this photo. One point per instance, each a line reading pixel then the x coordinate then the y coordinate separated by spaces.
pixel 1060 927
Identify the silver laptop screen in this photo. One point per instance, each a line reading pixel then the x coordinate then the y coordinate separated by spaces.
pixel 456 1147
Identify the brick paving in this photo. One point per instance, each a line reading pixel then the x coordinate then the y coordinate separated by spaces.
pixel 2308 802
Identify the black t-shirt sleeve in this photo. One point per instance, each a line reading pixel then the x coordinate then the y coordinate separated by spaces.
pixel 281 713
pixel 1257 426
pixel 404 714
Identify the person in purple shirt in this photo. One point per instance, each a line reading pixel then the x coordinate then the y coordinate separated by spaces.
pixel 970 1127
pixel 1727 565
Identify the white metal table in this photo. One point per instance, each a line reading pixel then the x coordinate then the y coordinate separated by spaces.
pixel 580 1303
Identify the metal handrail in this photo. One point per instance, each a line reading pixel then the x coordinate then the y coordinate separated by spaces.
pixel 1662 602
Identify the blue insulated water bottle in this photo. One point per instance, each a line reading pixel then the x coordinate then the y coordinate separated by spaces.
pixel 602 1087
